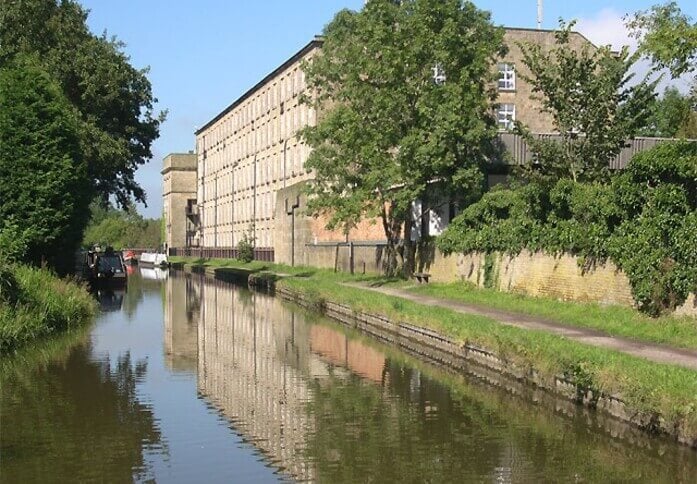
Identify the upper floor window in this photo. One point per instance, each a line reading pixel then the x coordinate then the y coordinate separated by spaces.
pixel 506 116
pixel 506 76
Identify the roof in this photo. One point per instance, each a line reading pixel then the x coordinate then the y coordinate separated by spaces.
pixel 550 31
pixel 314 43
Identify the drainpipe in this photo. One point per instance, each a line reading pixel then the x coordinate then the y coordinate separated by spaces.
pixel 215 211
pixel 232 218
pixel 254 220
pixel 285 147
pixel 291 211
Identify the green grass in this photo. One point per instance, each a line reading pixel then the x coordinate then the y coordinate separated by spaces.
pixel 35 303
pixel 665 389
pixel 668 390
pixel 614 320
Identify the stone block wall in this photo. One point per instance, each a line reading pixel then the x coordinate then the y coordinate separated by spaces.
pixel 539 274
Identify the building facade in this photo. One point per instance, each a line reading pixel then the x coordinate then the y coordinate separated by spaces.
pixel 250 151
pixel 251 161
pixel 179 199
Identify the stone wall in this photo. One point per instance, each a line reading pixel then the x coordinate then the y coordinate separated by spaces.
pixel 316 245
pixel 367 258
pixel 538 274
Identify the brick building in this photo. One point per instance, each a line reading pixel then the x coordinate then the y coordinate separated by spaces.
pixel 250 164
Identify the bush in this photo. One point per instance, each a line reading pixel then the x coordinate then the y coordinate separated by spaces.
pixel 245 248
pixel 644 220
pixel 40 304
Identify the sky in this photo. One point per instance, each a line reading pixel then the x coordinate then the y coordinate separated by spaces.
pixel 204 54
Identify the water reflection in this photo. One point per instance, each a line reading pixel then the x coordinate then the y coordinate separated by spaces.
pixel 110 299
pixel 75 419
pixel 181 314
pixel 322 404
pixel 195 380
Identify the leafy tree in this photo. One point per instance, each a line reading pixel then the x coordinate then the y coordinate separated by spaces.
pixel 593 106
pixel 388 125
pixel 117 123
pixel 667 36
pixel 121 228
pixel 644 220
pixel 245 247
pixel 672 116
pixel 42 168
pixel 656 244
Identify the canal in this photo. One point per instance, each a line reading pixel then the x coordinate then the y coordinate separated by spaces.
pixel 188 379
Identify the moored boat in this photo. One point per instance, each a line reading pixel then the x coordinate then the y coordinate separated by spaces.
pixel 153 259
pixel 105 267
pixel 129 257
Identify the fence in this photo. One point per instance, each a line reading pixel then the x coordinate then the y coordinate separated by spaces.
pixel 519 153
pixel 260 253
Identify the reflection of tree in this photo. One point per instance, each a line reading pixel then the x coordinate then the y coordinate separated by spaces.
pixel 135 291
pixel 413 428
pixel 75 420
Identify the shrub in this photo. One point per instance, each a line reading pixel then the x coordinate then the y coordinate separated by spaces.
pixel 644 219
pixel 245 248
pixel 41 304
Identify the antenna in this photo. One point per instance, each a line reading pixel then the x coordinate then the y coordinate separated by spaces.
pixel 539 14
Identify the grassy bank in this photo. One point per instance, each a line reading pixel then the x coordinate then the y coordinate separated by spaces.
pixel 667 390
pixel 615 320
pixel 34 303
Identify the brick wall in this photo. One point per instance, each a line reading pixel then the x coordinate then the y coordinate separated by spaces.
pixel 538 274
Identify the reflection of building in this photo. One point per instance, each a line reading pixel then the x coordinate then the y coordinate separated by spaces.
pixel 337 348
pixel 257 359
pixel 253 355
pixel 181 321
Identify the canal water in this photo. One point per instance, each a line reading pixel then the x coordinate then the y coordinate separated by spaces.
pixel 187 379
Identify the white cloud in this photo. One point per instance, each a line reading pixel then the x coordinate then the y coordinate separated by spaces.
pixel 607 28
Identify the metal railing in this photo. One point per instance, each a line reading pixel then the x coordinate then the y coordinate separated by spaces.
pixel 260 253
pixel 518 152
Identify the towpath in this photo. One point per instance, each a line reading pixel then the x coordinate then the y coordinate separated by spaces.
pixel 653 352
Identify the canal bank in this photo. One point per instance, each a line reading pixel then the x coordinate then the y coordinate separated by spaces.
pixel 656 398
pixel 37 304
pixel 186 377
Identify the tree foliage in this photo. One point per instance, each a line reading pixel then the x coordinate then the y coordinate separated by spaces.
pixel 673 116
pixel 594 107
pixel 667 36
pixel 43 172
pixel 645 221
pixel 387 128
pixel 114 101
pixel 121 228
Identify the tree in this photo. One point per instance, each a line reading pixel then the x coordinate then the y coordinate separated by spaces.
pixel 117 123
pixel 667 36
pixel 42 168
pixel 593 106
pixel 404 95
pixel 121 228
pixel 672 116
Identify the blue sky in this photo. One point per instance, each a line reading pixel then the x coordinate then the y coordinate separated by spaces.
pixel 204 54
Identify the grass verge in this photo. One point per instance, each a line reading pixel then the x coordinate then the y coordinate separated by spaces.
pixel 615 320
pixel 35 303
pixel 666 390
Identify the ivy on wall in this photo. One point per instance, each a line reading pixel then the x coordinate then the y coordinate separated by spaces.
pixel 644 219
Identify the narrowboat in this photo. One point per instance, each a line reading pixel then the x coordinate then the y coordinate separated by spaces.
pixel 105 267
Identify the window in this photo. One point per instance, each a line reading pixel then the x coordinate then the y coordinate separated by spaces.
pixel 506 116
pixel 506 76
